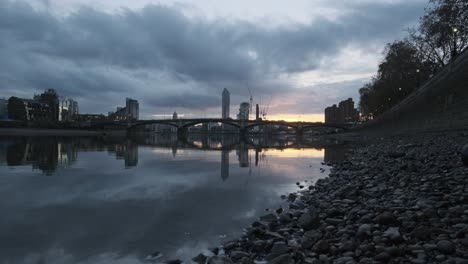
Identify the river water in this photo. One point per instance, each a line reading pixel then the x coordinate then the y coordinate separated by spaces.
pixel 119 200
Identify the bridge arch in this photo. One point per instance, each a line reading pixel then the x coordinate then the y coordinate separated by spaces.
pixel 266 123
pixel 193 123
pixel 161 122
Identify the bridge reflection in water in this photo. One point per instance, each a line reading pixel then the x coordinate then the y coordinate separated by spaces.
pixel 48 154
pixel 250 151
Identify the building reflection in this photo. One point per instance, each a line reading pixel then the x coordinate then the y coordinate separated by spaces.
pixel 224 164
pixel 48 154
pixel 334 153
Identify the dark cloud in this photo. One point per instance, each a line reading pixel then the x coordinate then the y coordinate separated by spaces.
pixel 91 54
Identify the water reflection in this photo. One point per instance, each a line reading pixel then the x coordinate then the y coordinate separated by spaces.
pixel 116 200
pixel 47 154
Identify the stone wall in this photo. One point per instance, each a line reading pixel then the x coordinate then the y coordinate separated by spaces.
pixel 441 104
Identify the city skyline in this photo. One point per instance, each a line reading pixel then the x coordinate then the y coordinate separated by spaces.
pixel 336 49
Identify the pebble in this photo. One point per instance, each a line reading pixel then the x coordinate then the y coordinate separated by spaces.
pixel 395 200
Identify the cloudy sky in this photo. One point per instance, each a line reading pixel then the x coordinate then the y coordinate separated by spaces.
pixel 296 56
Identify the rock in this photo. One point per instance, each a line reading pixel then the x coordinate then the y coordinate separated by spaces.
pixel 364 230
pixel 285 218
pixel 279 211
pixel 343 260
pixel 268 217
pixel 396 154
pixel 464 155
pixel 386 219
pixel 201 259
pixel 230 245
pixel 384 257
pixel 283 259
pixel 393 233
pixel 237 255
pixel 155 255
pixel 279 248
pixel 446 247
pixel 321 247
pixel 219 260
pixel 309 220
pixel 175 261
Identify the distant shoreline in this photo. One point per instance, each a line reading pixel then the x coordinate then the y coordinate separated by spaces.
pixel 57 132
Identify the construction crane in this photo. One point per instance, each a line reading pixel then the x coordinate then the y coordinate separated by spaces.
pixel 251 98
pixel 265 109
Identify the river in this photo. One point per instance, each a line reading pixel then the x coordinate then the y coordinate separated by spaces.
pixel 119 200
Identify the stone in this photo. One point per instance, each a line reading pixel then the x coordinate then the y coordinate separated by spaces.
pixel 321 247
pixel 364 230
pixel 386 219
pixel 393 233
pixel 309 220
pixel 384 257
pixel 268 217
pixel 464 155
pixel 219 260
pixel 446 247
pixel 283 259
pixel 201 259
pixel 237 255
pixel 174 261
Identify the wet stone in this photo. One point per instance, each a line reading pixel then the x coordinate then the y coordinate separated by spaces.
pixel 446 247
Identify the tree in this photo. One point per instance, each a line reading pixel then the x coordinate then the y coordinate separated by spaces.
pixel 401 71
pixel 442 31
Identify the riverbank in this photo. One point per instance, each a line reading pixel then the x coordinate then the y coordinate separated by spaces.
pixel 57 132
pixel 396 200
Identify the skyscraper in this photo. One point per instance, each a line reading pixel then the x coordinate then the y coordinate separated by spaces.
pixel 132 108
pixel 243 111
pixel 226 104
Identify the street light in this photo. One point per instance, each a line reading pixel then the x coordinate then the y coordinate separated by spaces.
pixel 417 78
pixel 454 51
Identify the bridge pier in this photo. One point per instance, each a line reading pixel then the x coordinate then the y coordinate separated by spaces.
pixel 243 133
pixel 182 133
pixel 299 132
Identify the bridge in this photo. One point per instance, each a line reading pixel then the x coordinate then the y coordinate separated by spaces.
pixel 183 125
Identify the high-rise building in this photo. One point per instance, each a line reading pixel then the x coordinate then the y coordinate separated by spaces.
pixel 68 109
pixel 243 111
pixel 174 116
pixel 344 112
pixel 226 103
pixel 133 109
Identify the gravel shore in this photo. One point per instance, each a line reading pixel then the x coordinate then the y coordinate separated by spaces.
pixel 396 200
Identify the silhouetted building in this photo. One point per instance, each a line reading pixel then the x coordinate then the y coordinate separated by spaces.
pixel 129 112
pixel 68 109
pixel 90 117
pixel 331 114
pixel 133 109
pixel 3 109
pixel 174 116
pixel 28 110
pixel 243 111
pixel 345 112
pixel 226 104
pixel 50 98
